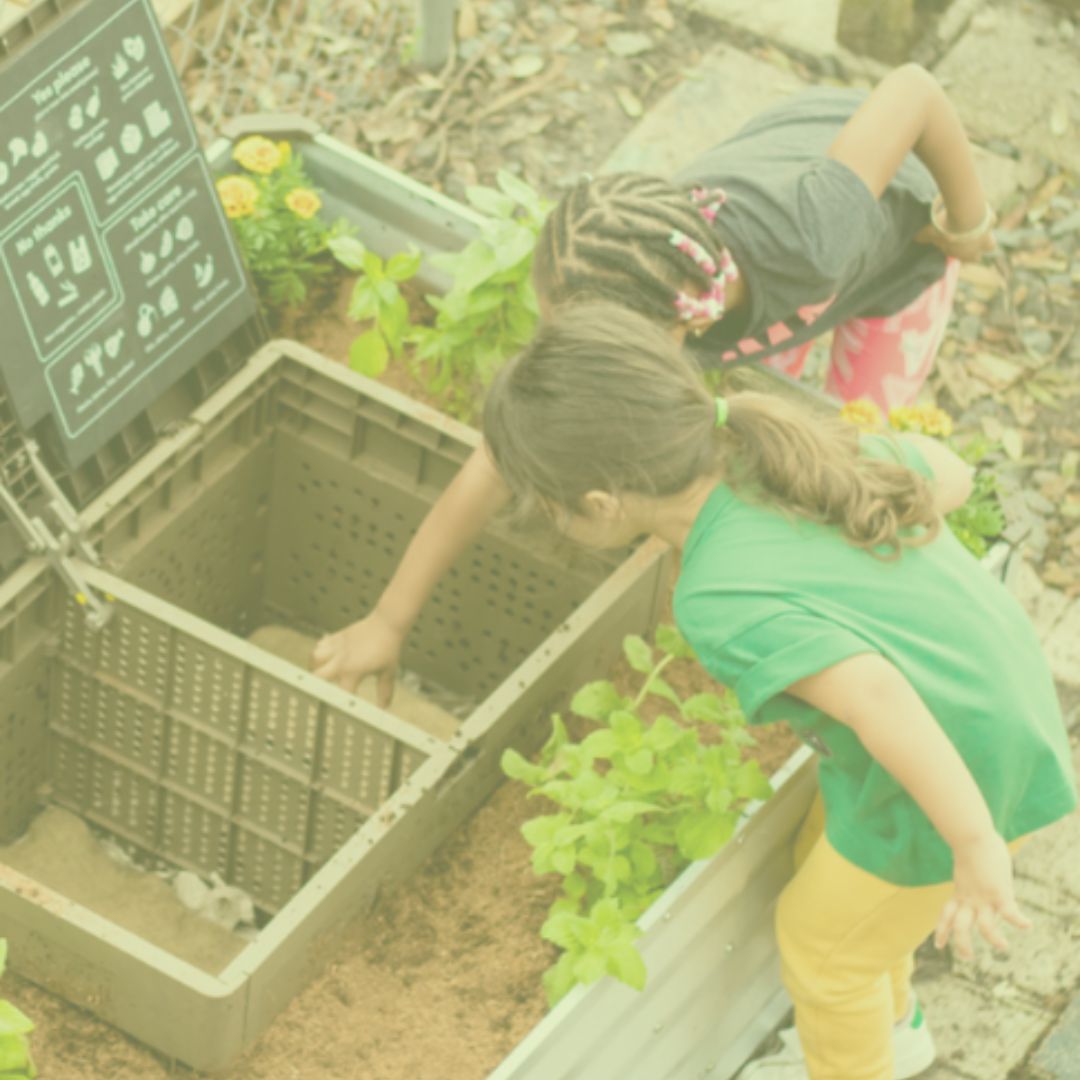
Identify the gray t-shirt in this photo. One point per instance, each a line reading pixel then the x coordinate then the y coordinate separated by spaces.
pixel 812 243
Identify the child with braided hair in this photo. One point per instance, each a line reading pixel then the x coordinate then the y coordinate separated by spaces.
pixel 817 581
pixel 820 213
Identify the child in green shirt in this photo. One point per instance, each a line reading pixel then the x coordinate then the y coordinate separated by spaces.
pixel 817 581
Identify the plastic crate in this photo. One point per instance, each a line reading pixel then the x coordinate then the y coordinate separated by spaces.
pixel 288 498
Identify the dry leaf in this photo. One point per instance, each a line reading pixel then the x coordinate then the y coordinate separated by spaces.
pixel 660 14
pixel 629 101
pixel 994 370
pixel 466 21
pixel 1012 441
pixel 526 65
pixel 629 43
pixel 1059 118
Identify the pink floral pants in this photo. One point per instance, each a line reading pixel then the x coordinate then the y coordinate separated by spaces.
pixel 885 360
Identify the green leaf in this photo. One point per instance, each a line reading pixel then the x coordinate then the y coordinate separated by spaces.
pixel 660 688
pixel 518 768
pixel 597 700
pixel 373 267
pixel 404 265
pixel 363 304
pixel 564 860
pixel 348 251
pixel 544 829
pixel 702 834
pixel 489 201
pixel 709 708
pixel 369 354
pixel 751 783
pixel 13 1021
pixel 600 744
pixel 626 964
pixel 574 886
pixel 640 762
pixel 559 979
pixel 638 653
pixel 590 966
pixel 671 641
pixel 14 1055
pixel 518 190
pixel 556 740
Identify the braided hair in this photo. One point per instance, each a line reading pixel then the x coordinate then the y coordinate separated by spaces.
pixel 610 239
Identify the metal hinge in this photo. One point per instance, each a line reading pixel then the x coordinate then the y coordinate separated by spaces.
pixel 57 547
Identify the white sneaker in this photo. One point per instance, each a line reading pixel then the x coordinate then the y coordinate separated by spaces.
pixel 913 1052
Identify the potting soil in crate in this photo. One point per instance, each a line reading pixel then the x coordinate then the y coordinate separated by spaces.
pixel 229 499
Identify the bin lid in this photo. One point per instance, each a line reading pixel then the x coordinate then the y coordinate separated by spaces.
pixel 118 269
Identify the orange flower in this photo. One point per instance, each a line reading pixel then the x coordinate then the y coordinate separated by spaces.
pixel 238 196
pixel 258 154
pixel 865 415
pixel 303 202
pixel 922 419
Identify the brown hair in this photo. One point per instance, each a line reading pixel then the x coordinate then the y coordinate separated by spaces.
pixel 609 239
pixel 603 399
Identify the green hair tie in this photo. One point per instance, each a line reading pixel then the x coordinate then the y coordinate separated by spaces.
pixel 721 411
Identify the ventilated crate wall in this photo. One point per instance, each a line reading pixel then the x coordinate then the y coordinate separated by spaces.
pixel 203 760
pixel 26 613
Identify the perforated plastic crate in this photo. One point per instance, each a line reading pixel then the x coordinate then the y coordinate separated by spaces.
pixel 287 499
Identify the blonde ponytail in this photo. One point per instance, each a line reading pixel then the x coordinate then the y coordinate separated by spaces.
pixel 604 399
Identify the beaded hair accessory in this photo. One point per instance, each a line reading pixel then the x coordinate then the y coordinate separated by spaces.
pixel 712 304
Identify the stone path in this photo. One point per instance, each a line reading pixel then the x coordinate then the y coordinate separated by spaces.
pixel 1013 71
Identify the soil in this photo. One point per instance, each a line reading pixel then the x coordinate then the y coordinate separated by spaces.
pixel 60 851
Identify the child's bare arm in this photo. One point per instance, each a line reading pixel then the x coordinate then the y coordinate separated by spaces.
pixel 373 645
pixel 909 111
pixel 953 478
pixel 871 696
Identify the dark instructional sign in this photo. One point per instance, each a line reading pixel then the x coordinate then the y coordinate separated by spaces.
pixel 117 268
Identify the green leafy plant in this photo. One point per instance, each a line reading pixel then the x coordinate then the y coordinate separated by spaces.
pixel 490 310
pixel 980 520
pixel 275 215
pixel 636 802
pixel 378 302
pixel 15 1060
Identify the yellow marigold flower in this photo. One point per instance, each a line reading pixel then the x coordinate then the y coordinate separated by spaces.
pixel 259 154
pixel 865 415
pixel 303 202
pixel 285 150
pixel 923 419
pixel 238 195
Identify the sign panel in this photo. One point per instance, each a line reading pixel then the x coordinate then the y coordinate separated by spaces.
pixel 118 271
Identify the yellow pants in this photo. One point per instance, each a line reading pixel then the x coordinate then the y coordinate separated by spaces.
pixel 847 941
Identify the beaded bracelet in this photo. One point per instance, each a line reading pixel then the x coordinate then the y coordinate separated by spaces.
pixel 938 212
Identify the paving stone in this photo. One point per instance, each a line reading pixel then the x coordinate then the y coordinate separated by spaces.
pixel 1050 855
pixel 1001 91
pixel 808 28
pixel 1062 648
pixel 714 101
pixel 977 1034
pixel 1000 175
pixel 1044 605
pixel 1043 961
pixel 1059 1055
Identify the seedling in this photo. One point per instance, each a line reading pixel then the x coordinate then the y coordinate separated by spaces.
pixel 637 803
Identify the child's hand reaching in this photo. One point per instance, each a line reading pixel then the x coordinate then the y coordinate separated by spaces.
pixel 370 646
pixel 982 875
pixel 967 246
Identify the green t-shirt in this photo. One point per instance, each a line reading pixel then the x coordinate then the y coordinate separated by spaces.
pixel 767 599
